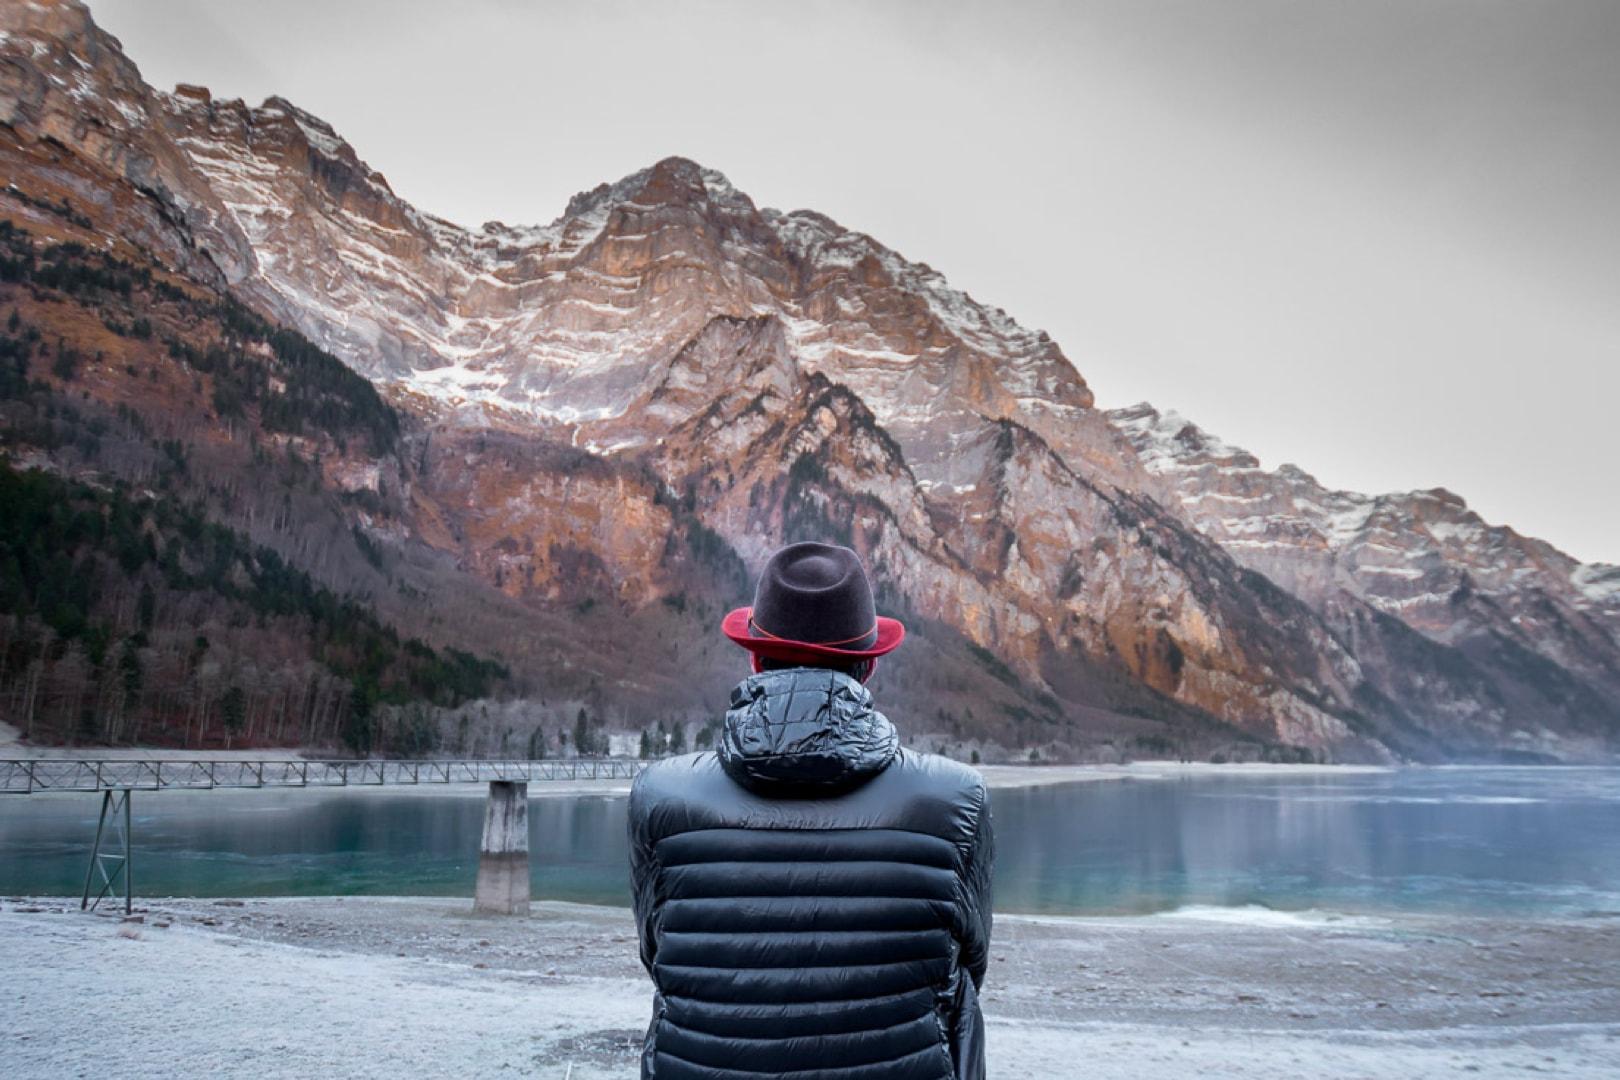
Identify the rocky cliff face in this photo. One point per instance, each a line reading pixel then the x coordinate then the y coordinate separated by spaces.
pixel 1533 623
pixel 668 380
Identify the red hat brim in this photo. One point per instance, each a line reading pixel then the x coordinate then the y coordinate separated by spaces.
pixel 890 633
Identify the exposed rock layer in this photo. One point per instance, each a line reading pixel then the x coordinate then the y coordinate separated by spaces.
pixel 668 359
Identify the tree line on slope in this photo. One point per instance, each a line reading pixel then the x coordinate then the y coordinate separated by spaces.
pixel 295 386
pixel 125 617
pixel 140 617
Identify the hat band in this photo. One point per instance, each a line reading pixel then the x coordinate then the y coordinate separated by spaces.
pixel 762 632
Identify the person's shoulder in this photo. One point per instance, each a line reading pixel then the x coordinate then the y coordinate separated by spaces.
pixel 676 794
pixel 941 773
pixel 672 776
pixel 934 794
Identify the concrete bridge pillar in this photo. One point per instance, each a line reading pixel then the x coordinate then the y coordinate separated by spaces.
pixel 503 858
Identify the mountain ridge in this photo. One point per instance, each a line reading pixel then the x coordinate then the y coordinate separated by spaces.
pixel 671 332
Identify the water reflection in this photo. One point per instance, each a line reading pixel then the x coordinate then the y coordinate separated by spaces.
pixel 312 843
pixel 1474 840
pixel 1468 840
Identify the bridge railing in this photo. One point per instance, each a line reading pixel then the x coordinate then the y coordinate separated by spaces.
pixel 30 775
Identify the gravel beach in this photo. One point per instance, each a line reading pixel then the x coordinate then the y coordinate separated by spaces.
pixel 422 987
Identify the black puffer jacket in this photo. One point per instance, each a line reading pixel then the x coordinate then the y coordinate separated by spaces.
pixel 812 900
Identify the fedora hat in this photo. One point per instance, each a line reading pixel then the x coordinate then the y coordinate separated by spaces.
pixel 813 603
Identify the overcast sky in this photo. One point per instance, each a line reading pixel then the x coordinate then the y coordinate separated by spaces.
pixel 1378 240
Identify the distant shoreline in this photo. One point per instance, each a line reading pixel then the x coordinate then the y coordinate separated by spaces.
pixel 1019 776
pixel 1010 775
pixel 997 777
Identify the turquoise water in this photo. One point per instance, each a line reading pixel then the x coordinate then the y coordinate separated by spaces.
pixel 1463 840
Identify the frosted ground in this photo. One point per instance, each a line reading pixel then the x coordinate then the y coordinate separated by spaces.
pixel 421 987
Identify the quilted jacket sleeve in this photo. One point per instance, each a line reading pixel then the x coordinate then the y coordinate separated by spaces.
pixel 978 894
pixel 643 873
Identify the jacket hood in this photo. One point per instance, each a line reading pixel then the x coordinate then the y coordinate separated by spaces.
pixel 805 731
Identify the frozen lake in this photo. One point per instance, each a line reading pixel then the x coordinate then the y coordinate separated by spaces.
pixel 1542 841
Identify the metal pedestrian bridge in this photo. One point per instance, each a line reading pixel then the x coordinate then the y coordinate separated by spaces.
pixel 32 776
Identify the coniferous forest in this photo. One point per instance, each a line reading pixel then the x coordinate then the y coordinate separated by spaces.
pixel 135 606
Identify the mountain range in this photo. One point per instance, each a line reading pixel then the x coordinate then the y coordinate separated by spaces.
pixel 572 445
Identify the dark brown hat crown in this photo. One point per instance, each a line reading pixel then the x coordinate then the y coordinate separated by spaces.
pixel 815 593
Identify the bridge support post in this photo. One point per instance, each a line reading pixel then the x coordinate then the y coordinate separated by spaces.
pixel 503 858
pixel 111 864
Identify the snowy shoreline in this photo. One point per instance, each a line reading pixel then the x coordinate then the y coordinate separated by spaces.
pixel 381 987
pixel 996 776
